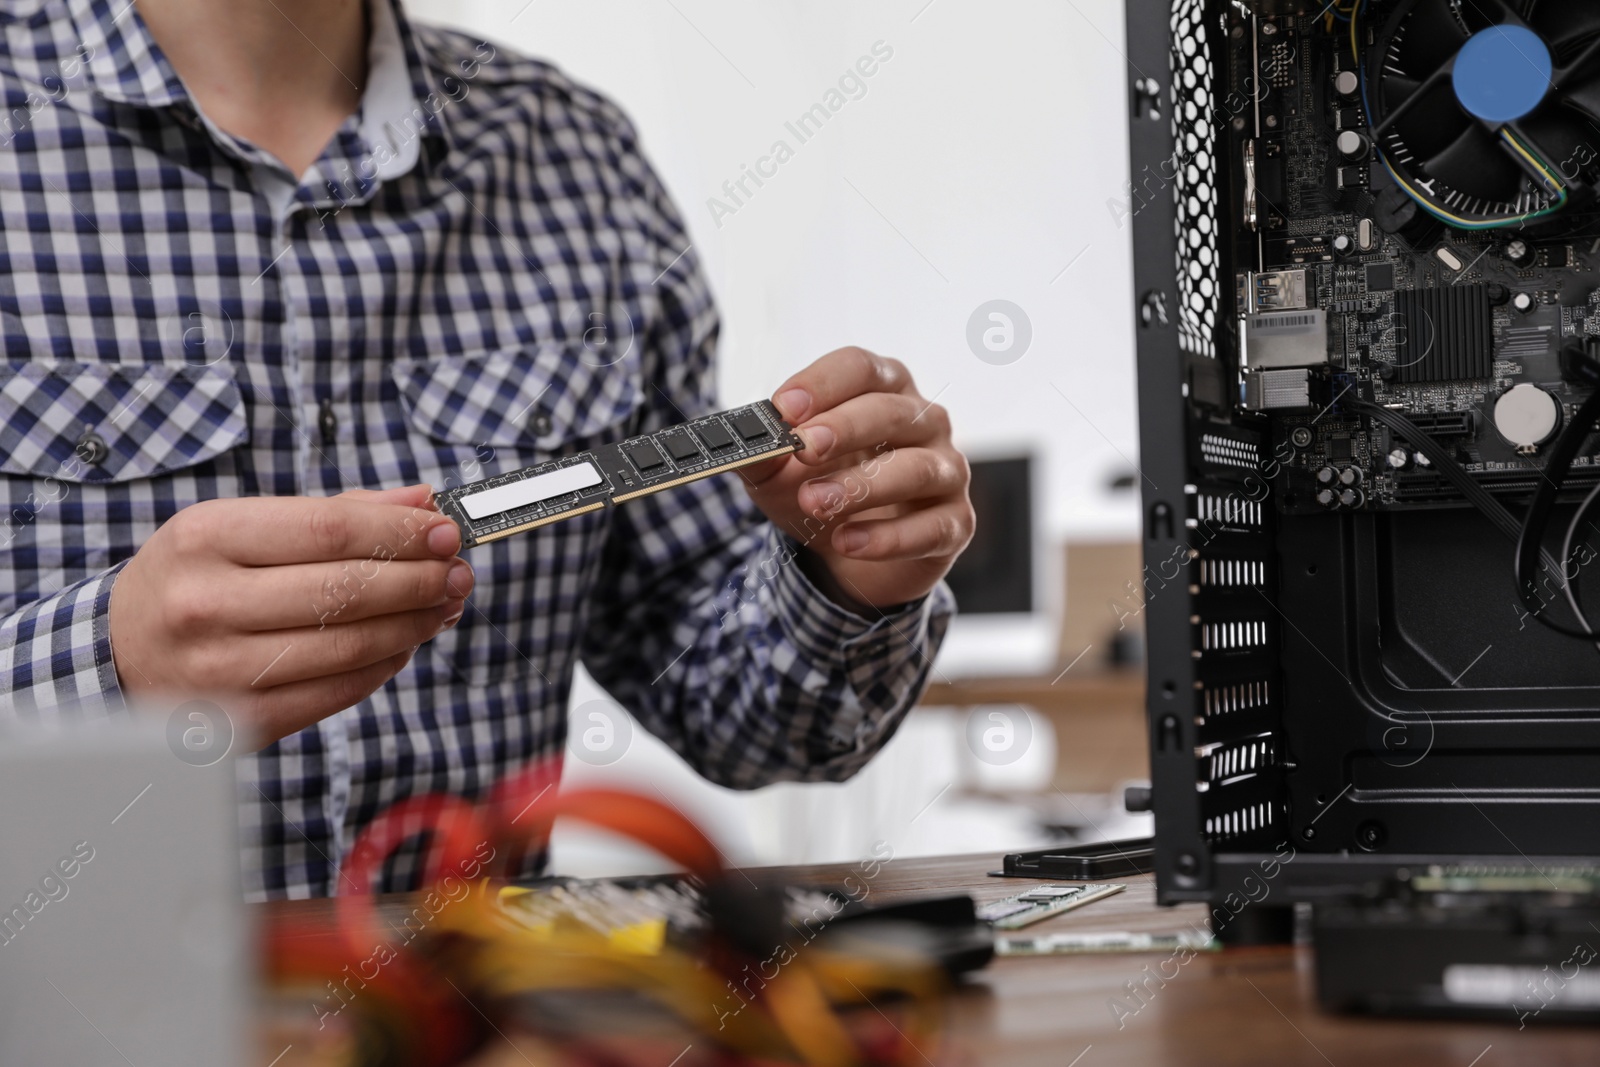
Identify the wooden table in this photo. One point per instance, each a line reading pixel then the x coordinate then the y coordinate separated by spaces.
pixel 1238 1007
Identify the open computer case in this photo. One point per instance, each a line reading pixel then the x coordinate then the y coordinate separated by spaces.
pixel 1367 272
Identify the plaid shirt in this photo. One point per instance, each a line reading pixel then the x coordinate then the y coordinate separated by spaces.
pixel 183 320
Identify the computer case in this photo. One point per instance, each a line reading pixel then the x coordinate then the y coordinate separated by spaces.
pixel 1339 697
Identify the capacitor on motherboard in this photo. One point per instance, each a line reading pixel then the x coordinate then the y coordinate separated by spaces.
pixel 1352 498
pixel 1350 476
pixel 1327 476
pixel 1520 253
pixel 1352 144
pixel 1399 459
pixel 1342 244
pixel 1347 83
pixel 1523 302
pixel 1327 498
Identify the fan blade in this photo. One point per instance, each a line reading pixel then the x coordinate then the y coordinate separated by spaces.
pixel 1397 89
pixel 1476 164
pixel 1562 137
pixel 1586 97
pixel 1430 39
pixel 1565 25
pixel 1433 123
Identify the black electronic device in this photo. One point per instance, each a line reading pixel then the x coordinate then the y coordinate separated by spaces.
pixel 1515 944
pixel 536 496
pixel 1367 272
pixel 1082 863
pixel 995 573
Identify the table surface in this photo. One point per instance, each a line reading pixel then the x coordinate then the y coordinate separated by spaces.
pixel 1253 1006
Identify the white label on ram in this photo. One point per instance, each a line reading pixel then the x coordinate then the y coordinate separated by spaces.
pixel 535 490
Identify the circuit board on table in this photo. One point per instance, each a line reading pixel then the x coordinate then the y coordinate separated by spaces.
pixel 1041 902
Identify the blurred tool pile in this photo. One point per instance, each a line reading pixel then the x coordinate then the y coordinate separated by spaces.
pixel 708 968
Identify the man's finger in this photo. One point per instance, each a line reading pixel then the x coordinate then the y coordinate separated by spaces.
pixel 835 378
pixel 936 532
pixel 321 652
pixel 893 478
pixel 285 709
pixel 409 496
pixel 868 423
pixel 274 531
pixel 322 594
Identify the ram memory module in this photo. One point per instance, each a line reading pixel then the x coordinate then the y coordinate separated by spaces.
pixel 526 499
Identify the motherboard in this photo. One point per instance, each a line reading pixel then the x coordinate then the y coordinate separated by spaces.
pixel 1420 236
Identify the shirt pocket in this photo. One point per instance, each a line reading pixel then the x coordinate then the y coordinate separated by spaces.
pixel 474 416
pixel 95 456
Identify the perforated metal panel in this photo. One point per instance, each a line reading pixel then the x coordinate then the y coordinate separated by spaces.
pixel 1194 180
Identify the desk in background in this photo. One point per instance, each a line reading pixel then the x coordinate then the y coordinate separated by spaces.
pixel 1098 717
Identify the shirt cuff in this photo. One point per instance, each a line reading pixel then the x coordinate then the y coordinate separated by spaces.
pixel 55 654
pixel 885 660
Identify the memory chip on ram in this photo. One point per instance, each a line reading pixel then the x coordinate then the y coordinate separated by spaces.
pixel 536 496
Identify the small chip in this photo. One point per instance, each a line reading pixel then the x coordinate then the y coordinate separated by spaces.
pixel 645 456
pixel 750 426
pixel 682 447
pixel 1340 448
pixel 1050 892
pixel 1380 277
pixel 714 434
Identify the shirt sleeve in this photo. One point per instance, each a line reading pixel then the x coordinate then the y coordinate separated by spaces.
pixel 702 623
pixel 55 654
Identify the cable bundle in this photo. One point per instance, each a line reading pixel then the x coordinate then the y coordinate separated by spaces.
pixel 742 988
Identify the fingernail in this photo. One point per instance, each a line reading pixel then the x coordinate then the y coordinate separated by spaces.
pixel 451 620
pixel 444 539
pixel 819 439
pixel 793 404
pixel 460 579
pixel 851 540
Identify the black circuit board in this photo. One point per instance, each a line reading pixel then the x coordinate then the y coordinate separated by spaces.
pixel 1383 288
pixel 612 474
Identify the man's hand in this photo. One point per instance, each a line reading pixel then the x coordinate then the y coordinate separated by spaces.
pixel 290 608
pixel 879 496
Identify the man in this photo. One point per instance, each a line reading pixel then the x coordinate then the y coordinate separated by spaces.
pixel 264 256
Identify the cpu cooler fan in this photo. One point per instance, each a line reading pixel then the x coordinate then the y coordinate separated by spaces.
pixel 1488 112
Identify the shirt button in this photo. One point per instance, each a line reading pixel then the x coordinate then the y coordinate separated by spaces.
pixel 92 448
pixel 540 423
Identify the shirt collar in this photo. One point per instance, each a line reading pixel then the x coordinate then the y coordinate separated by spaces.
pixel 123 62
pixel 400 109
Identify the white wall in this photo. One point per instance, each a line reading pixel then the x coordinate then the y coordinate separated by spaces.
pixel 982 161
pixel 992 142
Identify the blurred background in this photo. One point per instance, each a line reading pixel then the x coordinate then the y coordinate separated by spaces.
pixel 961 209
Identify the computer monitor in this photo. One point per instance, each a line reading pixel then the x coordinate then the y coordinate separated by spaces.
pixel 1365 298
pixel 994 576
pixel 1002 582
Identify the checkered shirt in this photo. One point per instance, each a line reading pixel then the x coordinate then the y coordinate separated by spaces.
pixel 481 272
